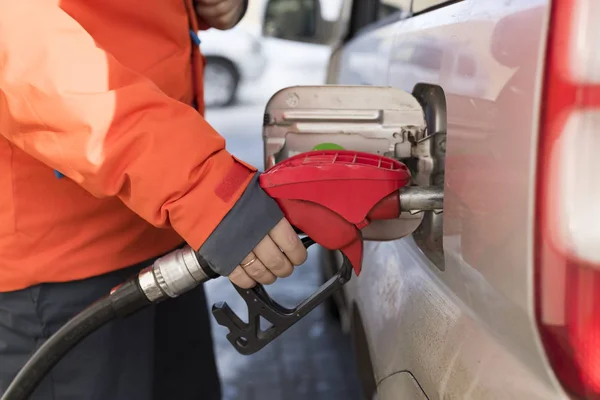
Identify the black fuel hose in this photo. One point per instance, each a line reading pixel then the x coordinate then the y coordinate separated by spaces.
pixel 124 300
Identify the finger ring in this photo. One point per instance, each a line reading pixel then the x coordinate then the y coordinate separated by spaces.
pixel 248 263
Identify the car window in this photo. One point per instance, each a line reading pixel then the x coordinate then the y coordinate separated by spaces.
pixel 419 6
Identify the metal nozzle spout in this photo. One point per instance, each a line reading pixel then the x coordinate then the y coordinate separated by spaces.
pixel 172 275
pixel 417 198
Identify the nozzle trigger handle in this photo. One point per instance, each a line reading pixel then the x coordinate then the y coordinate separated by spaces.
pixel 248 338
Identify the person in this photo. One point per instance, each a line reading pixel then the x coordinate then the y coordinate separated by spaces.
pixel 105 164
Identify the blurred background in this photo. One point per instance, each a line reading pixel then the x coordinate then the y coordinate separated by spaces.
pixel 244 66
pixel 244 69
pixel 313 359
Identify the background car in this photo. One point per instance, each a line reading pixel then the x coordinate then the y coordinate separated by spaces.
pixel 234 58
pixel 496 297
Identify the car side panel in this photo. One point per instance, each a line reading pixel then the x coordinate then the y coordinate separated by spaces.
pixel 415 323
pixel 364 60
pixel 469 331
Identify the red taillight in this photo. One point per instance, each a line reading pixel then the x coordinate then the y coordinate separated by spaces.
pixel 568 201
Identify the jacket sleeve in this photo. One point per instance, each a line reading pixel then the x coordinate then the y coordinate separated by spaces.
pixel 71 105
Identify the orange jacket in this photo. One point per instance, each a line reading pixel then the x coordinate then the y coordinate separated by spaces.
pixel 99 90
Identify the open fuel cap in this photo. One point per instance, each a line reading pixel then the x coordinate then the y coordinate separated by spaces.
pixel 349 183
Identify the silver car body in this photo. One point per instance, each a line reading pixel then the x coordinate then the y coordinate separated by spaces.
pixel 452 317
pixel 469 330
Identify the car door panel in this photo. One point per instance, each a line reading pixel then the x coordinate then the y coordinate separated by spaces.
pixel 459 319
pixel 415 323
pixel 404 383
pixel 363 60
pixel 469 329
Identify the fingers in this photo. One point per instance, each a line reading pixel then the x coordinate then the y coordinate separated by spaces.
pixel 241 278
pixel 208 2
pixel 288 241
pixel 213 9
pixel 272 258
pixel 254 267
pixel 220 14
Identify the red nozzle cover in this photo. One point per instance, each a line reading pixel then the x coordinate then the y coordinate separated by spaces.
pixel 329 194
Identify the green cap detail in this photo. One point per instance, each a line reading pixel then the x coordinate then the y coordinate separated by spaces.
pixel 328 146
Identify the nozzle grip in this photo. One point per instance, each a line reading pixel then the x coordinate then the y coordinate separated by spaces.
pixel 248 338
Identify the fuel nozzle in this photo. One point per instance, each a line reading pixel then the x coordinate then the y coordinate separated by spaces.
pixel 173 274
pixel 331 195
pixel 328 195
pixel 419 198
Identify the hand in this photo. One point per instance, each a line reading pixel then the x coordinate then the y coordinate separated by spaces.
pixel 267 262
pixel 220 14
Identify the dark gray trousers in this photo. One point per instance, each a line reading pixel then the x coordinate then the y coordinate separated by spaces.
pixel 164 352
